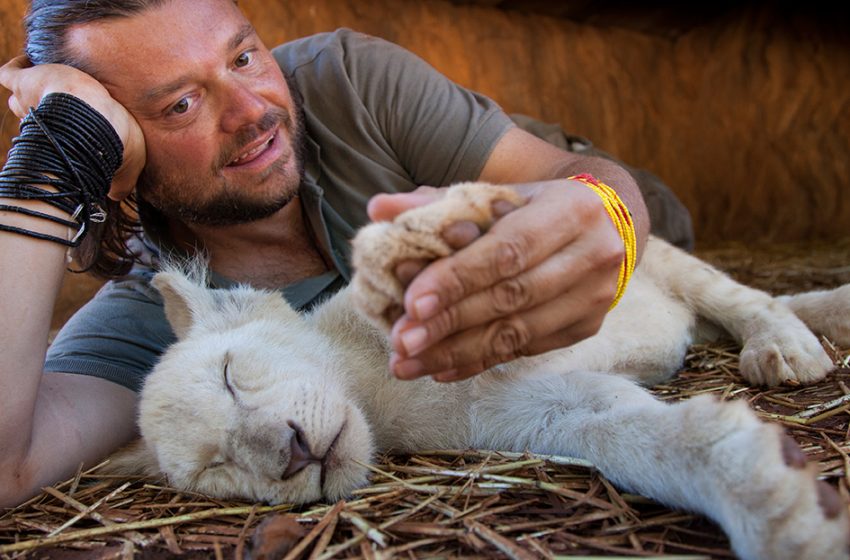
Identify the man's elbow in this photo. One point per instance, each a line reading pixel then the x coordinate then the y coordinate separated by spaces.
pixel 17 483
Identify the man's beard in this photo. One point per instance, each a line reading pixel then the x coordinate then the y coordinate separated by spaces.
pixel 231 205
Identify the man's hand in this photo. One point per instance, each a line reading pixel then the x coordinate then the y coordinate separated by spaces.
pixel 29 84
pixel 543 277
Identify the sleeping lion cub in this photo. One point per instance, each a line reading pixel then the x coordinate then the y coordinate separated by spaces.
pixel 259 402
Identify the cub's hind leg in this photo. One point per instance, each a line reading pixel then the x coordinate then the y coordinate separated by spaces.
pixel 777 345
pixel 826 312
pixel 713 457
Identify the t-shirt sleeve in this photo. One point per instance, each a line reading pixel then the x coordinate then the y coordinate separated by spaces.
pixel 441 132
pixel 118 335
pixel 367 98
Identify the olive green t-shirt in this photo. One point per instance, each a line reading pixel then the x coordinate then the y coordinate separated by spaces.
pixel 378 119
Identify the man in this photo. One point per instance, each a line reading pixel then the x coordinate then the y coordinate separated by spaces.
pixel 226 160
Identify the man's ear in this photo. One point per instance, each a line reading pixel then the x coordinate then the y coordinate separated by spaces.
pixel 185 300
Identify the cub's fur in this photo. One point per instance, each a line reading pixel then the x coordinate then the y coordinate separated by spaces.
pixel 259 402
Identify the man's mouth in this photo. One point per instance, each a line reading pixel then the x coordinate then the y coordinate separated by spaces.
pixel 255 149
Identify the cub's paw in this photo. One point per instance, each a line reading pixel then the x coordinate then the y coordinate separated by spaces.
pixel 416 235
pixel 783 511
pixel 787 351
pixel 766 496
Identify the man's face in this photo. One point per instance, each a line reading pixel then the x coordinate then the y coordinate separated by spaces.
pixel 221 129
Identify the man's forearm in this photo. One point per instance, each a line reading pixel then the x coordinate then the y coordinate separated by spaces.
pixel 32 275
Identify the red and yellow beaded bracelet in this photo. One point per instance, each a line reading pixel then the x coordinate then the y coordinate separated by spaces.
pixel 622 219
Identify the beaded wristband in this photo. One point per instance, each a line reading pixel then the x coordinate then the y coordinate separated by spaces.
pixel 622 219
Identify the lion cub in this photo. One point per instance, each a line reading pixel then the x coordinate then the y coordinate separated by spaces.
pixel 259 402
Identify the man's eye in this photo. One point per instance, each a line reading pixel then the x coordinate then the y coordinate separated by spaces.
pixel 181 106
pixel 243 59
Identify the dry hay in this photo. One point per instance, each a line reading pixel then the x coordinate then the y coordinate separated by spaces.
pixel 467 503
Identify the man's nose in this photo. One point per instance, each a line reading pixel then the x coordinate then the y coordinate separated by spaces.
pixel 242 106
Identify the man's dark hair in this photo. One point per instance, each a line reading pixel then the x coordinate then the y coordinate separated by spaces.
pixel 104 251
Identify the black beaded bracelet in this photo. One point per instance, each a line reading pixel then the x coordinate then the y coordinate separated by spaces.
pixel 66 145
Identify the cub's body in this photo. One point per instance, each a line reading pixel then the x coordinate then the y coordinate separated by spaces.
pixel 257 401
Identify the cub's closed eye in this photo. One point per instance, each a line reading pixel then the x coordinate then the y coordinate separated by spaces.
pixel 227 379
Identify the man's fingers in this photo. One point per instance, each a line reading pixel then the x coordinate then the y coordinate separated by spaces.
pixel 15 107
pixel 468 271
pixel 9 73
pixel 561 322
pixel 135 155
pixel 518 241
pixel 551 342
pixel 543 283
pixel 8 70
pixel 385 207
pixel 465 352
pixel 457 235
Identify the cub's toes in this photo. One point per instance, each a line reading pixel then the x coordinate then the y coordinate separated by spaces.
pixel 791 453
pixel 829 500
pixel 503 207
pixel 407 270
pixel 460 234
pixel 764 365
pixel 790 354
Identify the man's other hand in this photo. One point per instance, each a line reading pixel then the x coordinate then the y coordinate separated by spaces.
pixel 29 84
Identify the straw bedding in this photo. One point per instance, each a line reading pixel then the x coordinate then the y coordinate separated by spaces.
pixel 464 503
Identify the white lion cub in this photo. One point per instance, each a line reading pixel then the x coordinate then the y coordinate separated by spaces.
pixel 259 402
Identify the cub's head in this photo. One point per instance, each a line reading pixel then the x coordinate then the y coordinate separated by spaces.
pixel 250 402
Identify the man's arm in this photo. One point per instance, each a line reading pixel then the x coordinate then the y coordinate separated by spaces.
pixel 543 277
pixel 521 157
pixel 50 424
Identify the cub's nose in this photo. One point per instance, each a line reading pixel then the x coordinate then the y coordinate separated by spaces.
pixel 300 456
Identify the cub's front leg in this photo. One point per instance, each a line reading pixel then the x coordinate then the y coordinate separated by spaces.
pixel 713 457
pixel 776 344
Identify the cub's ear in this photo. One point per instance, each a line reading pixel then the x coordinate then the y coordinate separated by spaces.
pixel 134 459
pixel 185 301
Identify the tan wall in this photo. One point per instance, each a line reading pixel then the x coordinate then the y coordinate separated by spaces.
pixel 748 119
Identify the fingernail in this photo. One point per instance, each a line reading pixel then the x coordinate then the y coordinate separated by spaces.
pixel 414 340
pixel 426 306
pixel 408 369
